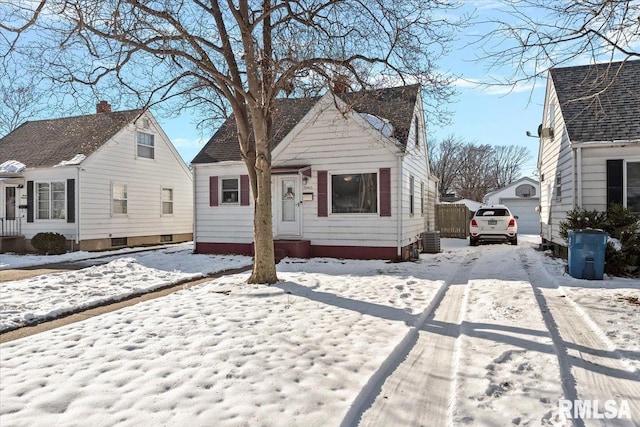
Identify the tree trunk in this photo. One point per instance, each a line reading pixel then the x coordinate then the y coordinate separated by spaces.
pixel 264 266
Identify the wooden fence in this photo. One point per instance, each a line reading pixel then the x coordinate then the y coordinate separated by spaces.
pixel 452 220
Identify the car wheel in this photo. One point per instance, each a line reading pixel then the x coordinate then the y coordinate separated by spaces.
pixel 473 242
pixel 514 241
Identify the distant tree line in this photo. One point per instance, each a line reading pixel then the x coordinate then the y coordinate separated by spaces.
pixel 471 170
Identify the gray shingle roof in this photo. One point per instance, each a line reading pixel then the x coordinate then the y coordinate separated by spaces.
pixel 613 113
pixel 45 143
pixel 394 104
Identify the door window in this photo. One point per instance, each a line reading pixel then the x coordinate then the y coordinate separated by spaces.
pixel 288 200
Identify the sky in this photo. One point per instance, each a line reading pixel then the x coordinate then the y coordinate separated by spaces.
pixel 491 335
pixel 485 115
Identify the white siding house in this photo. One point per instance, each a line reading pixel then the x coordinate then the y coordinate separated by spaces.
pixel 104 180
pixel 350 179
pixel 522 197
pixel 589 153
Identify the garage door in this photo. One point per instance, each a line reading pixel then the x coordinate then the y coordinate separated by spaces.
pixel 525 210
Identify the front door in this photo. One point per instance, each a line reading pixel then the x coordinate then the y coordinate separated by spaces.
pixel 287 203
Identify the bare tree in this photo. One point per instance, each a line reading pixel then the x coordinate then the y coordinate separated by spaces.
pixel 474 178
pixel 470 170
pixel 20 100
pixel 535 35
pixel 508 161
pixel 444 159
pixel 235 56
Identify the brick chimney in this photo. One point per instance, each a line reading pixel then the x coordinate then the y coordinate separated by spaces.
pixel 103 107
pixel 341 84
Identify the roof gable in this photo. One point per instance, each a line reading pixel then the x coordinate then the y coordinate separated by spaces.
pixel 393 104
pixel 46 143
pixel 515 183
pixel 599 102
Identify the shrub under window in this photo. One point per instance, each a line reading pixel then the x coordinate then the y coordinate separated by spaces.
pixel 354 193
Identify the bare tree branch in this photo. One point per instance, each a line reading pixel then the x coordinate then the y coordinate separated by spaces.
pixel 233 56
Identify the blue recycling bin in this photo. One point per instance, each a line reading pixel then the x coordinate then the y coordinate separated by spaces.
pixel 586 253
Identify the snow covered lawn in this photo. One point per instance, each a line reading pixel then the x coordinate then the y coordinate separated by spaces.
pixel 301 352
pixel 24 302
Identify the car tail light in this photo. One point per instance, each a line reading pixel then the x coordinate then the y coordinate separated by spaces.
pixel 512 222
pixel 474 223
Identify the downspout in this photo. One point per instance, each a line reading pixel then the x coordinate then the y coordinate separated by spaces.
pixel 193 209
pixel 400 157
pixel 579 177
pixel 78 213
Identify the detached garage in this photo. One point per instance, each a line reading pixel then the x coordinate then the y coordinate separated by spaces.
pixel 522 197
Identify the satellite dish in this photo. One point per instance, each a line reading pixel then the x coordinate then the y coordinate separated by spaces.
pixel 540 130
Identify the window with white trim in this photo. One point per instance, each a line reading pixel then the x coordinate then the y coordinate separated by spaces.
pixel 633 186
pixel 230 190
pixel 51 200
pixel 558 187
pixel 421 197
pixel 119 198
pixel 412 191
pixel 167 201
pixel 354 193
pixel 146 145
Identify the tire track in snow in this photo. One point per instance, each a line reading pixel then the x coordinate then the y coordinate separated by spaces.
pixel 416 384
pixel 588 369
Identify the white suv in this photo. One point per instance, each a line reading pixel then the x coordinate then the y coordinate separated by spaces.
pixel 493 223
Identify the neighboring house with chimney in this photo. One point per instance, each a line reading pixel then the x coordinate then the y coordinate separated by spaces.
pixel 104 180
pixel 350 179
pixel 589 154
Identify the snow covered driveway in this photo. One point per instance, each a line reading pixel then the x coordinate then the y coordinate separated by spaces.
pixel 490 335
pixel 504 345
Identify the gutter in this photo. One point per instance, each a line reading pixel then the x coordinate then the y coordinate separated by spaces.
pixel 612 143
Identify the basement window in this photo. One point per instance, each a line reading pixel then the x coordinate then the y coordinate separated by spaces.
pixel 119 241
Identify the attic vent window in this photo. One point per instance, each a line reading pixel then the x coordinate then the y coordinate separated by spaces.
pixel 525 190
pixel 146 123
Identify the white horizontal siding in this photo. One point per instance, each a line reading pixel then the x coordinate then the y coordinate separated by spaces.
pixel 556 157
pixel 116 162
pixel 222 223
pixel 339 144
pixel 30 229
pixel 594 172
pixel 414 164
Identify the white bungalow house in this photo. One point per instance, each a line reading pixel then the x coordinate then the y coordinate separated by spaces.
pixel 103 180
pixel 350 179
pixel 589 153
pixel 522 197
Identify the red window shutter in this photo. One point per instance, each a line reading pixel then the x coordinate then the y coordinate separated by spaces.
pixel 213 191
pixel 322 194
pixel 385 192
pixel 244 190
